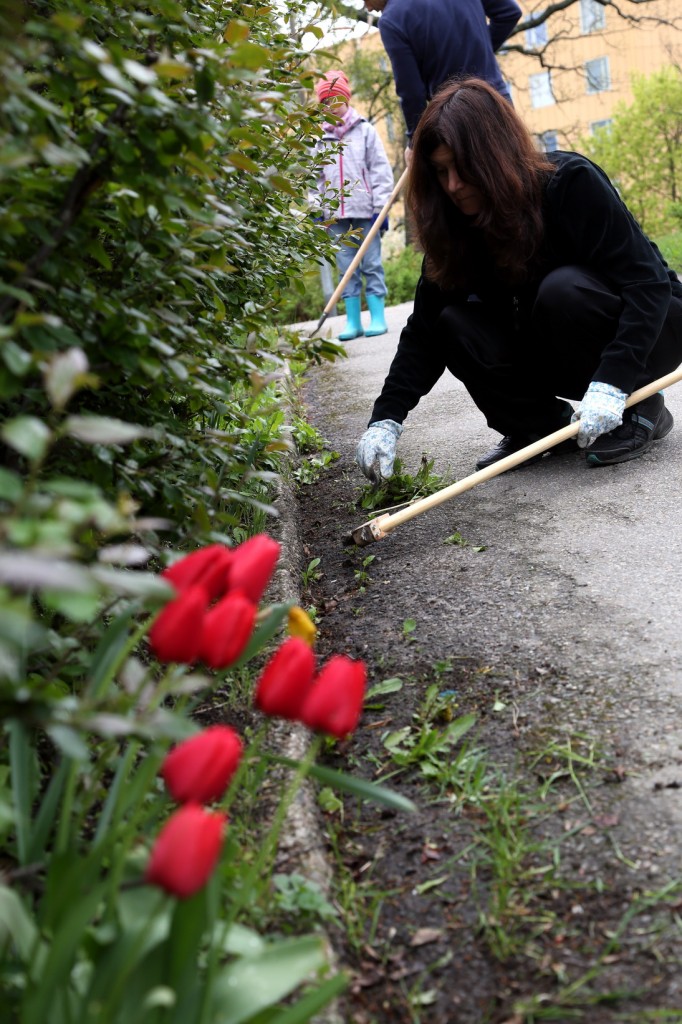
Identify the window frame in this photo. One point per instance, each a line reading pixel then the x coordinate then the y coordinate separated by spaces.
pixel 546 90
pixel 595 84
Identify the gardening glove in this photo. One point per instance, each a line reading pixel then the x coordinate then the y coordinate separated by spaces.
pixel 600 411
pixel 384 226
pixel 376 450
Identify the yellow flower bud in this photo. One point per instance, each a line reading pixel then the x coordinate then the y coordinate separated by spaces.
pixel 301 625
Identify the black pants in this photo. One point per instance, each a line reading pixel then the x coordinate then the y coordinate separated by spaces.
pixel 515 377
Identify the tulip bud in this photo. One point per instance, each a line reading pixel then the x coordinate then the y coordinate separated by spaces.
pixel 334 703
pixel 176 632
pixel 253 563
pixel 300 624
pixel 286 680
pixel 186 851
pixel 227 628
pixel 208 567
pixel 199 769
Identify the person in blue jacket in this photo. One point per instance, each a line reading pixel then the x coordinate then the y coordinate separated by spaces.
pixel 538 288
pixel 431 41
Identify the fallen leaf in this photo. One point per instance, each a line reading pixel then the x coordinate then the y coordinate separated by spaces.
pixel 606 820
pixel 425 935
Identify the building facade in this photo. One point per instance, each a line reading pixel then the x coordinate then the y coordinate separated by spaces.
pixel 568 74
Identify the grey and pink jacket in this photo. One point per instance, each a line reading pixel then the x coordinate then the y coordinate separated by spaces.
pixel 360 175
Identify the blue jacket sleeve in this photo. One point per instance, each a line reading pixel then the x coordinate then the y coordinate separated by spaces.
pixel 502 16
pixel 408 81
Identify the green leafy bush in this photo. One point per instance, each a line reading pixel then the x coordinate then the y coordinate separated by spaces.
pixel 671 248
pixel 402 273
pixel 154 169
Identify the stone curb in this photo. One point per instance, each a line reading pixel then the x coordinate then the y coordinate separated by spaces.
pixel 302 845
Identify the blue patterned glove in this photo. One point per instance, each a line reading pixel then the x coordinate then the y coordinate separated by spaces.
pixel 600 411
pixel 376 450
pixel 384 226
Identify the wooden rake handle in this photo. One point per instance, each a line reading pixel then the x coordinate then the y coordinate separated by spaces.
pixel 383 525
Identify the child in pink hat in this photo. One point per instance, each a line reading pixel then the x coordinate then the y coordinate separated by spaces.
pixel 354 185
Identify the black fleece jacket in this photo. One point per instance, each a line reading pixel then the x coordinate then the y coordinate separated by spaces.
pixel 586 224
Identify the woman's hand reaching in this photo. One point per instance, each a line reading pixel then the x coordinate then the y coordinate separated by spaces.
pixel 375 453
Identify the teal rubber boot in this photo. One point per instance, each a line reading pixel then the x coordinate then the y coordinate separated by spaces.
pixel 353 328
pixel 377 324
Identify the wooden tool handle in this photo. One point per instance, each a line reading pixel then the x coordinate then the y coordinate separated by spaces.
pixel 384 524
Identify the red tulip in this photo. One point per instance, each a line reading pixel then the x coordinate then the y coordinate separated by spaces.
pixel 334 703
pixel 176 632
pixel 253 563
pixel 286 680
pixel 186 851
pixel 226 630
pixel 207 567
pixel 199 769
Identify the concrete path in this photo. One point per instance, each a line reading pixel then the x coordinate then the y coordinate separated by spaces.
pixel 581 572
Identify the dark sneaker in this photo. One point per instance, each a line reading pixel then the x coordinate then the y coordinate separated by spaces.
pixel 511 444
pixel 644 423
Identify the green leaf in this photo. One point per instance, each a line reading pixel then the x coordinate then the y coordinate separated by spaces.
pixel 15 358
pixel 253 983
pixel 242 161
pixel 351 784
pixel 104 430
pixel 23 774
pixel 250 55
pixel 312 1002
pixel 49 806
pixel 78 607
pixel 265 631
pixel 27 435
pixel 387 686
pixel 134 583
pixel 26 571
pixel 109 654
pixel 64 375
pixel 240 940
pixel 361 787
pixel 11 487
pixel 16 925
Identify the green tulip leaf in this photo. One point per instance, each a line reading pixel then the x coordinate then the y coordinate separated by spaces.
pixel 312 1002
pixel 16 926
pixel 250 984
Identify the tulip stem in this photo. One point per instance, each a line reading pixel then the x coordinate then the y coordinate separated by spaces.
pixel 261 863
pixel 251 751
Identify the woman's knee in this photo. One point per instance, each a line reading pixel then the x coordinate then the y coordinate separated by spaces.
pixel 559 289
pixel 573 295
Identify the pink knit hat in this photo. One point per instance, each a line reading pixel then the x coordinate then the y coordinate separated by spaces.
pixel 334 83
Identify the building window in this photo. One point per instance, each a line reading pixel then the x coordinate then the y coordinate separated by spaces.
pixel 548 141
pixel 536 36
pixel 592 16
pixel 540 86
pixel 600 126
pixel 598 75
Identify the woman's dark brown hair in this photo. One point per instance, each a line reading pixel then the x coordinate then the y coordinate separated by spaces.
pixel 494 152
